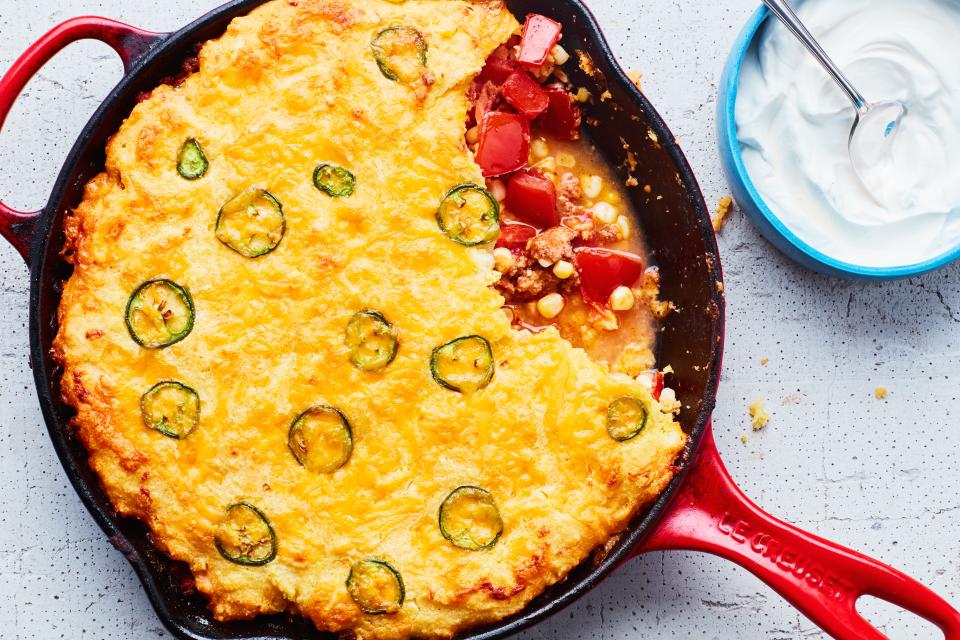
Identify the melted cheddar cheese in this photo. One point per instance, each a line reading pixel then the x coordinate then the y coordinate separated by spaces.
pixel 288 87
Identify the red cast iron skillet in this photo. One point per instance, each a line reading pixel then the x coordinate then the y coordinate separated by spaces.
pixel 702 510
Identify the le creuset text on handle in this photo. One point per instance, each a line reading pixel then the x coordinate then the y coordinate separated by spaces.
pixel 129 42
pixel 821 579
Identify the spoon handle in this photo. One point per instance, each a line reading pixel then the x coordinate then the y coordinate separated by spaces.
pixel 791 21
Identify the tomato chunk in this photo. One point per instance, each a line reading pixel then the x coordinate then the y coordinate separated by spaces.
pixel 603 270
pixel 532 197
pixel 562 117
pixel 514 236
pixel 657 385
pixel 524 94
pixel 540 34
pixel 504 143
pixel 497 70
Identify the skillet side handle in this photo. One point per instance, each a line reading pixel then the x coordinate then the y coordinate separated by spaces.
pixel 821 579
pixel 129 42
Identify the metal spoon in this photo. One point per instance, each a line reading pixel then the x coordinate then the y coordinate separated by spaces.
pixel 876 123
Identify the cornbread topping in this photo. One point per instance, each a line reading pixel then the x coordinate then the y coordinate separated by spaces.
pixel 285 347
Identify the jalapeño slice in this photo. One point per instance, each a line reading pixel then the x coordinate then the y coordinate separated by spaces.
pixel 400 52
pixel 171 408
pixel 626 418
pixel 321 439
pixel 335 181
pixel 464 364
pixel 372 341
pixel 245 536
pixel 470 215
pixel 376 586
pixel 470 519
pixel 191 162
pixel 252 223
pixel 159 313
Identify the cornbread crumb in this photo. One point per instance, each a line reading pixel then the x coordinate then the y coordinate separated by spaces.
pixel 764 361
pixel 635 76
pixel 719 286
pixel 606 95
pixel 668 401
pixel 759 417
pixel 723 210
pixel 743 438
pixel 647 188
pixel 635 359
pixel 880 393
pixel 649 294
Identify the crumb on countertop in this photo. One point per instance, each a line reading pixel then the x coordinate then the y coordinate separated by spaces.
pixel 635 76
pixel 759 417
pixel 743 438
pixel 723 210
pixel 880 393
pixel 764 361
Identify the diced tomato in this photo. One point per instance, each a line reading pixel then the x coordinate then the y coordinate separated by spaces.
pixel 532 197
pixel 603 270
pixel 524 94
pixel 504 143
pixel 657 385
pixel 497 70
pixel 514 236
pixel 540 34
pixel 562 118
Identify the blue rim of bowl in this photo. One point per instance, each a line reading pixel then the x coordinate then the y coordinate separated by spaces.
pixel 732 147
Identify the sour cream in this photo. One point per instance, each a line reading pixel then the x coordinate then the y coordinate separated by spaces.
pixel 793 125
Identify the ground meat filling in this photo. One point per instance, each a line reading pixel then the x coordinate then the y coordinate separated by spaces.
pixel 552 245
pixel 525 278
pixel 568 192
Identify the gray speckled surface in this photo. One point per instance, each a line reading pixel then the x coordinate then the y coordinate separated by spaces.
pixel 879 476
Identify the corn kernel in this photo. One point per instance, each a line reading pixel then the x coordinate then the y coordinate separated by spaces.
pixel 560 55
pixel 540 148
pixel 547 164
pixel 646 379
pixel 473 135
pixel 668 400
pixel 622 299
pixel 592 186
pixel 502 259
pixel 550 305
pixel 563 269
pixel 498 190
pixel 566 160
pixel 625 227
pixel 604 212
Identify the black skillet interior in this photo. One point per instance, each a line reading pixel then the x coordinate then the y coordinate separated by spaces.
pixel 626 129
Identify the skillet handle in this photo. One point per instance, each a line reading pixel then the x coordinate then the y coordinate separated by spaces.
pixel 129 42
pixel 821 579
